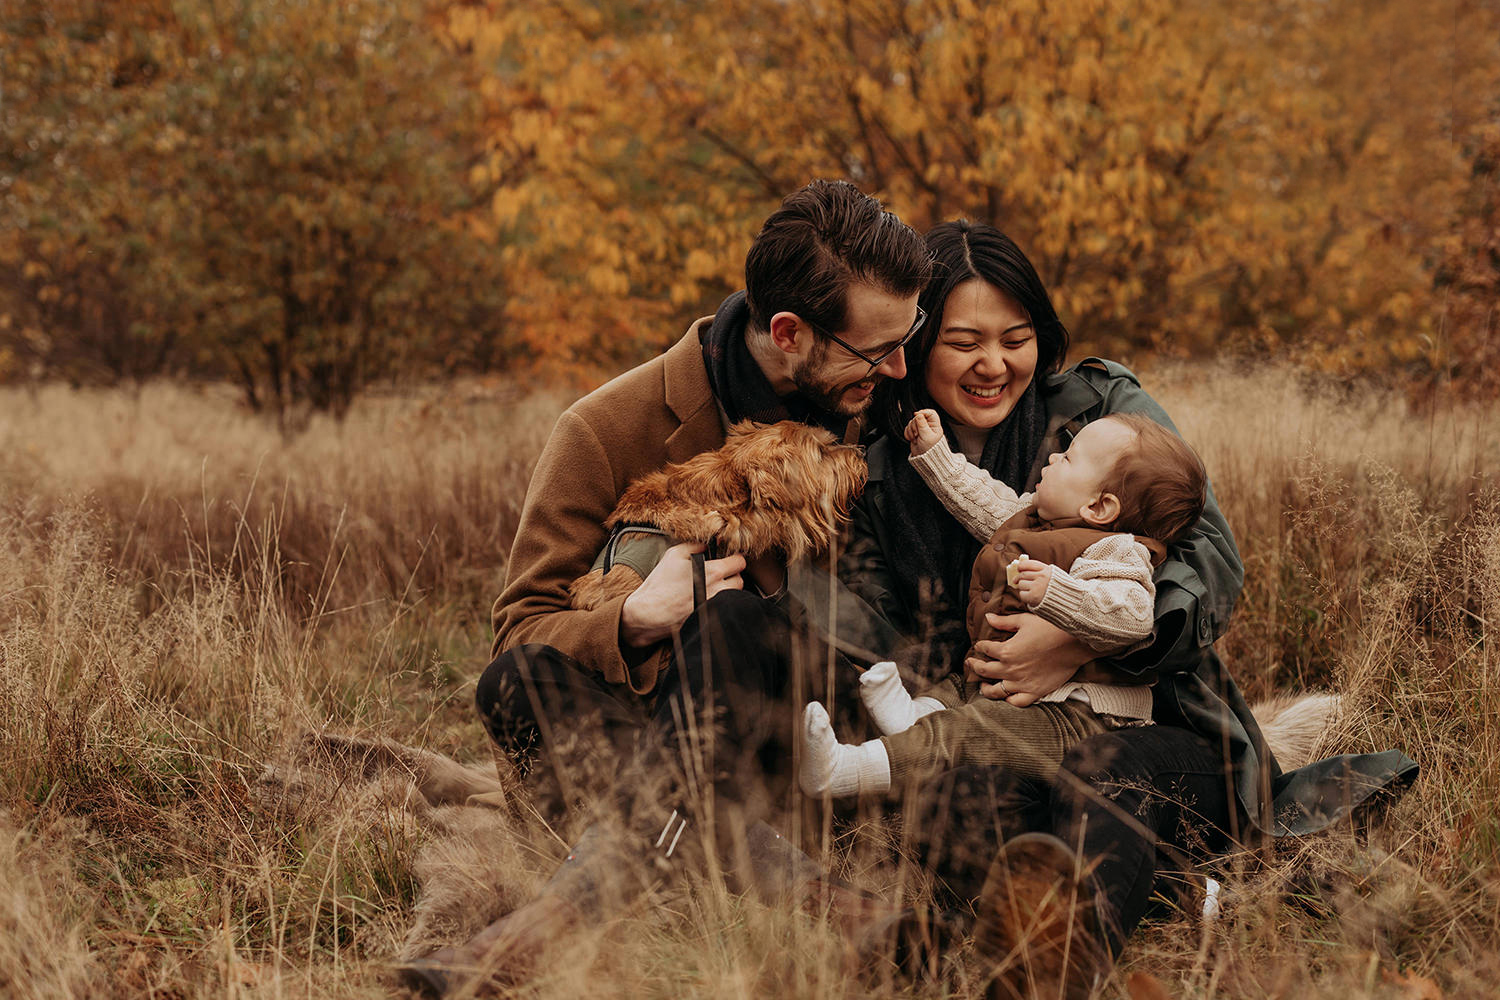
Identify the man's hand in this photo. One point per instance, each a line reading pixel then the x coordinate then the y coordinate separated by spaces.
pixel 665 598
pixel 924 430
pixel 1036 660
pixel 1032 578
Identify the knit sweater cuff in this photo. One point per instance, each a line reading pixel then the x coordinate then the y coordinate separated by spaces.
pixel 1132 701
pixel 1067 604
pixel 938 465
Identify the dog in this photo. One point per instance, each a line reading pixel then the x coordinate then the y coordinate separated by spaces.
pixel 784 489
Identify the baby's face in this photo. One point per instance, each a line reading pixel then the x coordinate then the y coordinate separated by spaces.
pixel 1074 479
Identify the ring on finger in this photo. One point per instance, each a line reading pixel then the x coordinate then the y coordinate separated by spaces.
pixel 1003 692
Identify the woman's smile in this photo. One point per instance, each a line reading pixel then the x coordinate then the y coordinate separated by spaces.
pixel 985 394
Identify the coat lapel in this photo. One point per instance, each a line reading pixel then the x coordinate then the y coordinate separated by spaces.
pixel 700 425
pixel 1069 397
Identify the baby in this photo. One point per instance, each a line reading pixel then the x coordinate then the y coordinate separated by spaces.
pixel 1079 552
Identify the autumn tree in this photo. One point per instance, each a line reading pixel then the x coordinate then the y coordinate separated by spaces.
pixel 1185 175
pixel 288 191
pixel 1468 278
pixel 1350 177
pixel 648 156
pixel 76 281
pixel 270 190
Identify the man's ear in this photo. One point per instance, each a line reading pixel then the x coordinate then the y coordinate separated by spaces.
pixel 787 331
pixel 1105 509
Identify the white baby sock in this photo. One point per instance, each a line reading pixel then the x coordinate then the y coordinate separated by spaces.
pixel 839 768
pixel 887 701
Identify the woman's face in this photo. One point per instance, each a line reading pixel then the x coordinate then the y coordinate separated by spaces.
pixel 984 356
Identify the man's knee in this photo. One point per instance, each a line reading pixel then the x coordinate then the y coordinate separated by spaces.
pixel 504 678
pixel 515 690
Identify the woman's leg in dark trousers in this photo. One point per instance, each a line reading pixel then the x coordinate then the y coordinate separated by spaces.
pixel 1120 795
pixel 954 826
pixel 1115 797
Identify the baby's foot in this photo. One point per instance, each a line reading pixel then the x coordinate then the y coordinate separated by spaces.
pixel 835 768
pixel 886 699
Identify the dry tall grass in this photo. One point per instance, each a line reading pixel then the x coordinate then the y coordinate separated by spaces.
pixel 182 590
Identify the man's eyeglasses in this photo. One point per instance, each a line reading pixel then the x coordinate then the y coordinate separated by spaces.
pixel 880 359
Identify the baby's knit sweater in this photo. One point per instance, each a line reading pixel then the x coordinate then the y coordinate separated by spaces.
pixel 1106 598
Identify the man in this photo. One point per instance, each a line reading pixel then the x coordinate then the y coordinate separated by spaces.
pixel 831 285
pixel 830 299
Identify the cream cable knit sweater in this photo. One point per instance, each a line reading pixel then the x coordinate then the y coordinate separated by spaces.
pixel 1106 598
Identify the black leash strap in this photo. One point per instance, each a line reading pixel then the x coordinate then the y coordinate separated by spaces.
pixel 700 580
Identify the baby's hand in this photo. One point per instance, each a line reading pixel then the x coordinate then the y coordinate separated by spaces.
pixel 924 431
pixel 1032 578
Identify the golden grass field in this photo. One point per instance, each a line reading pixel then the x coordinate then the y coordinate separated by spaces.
pixel 183 591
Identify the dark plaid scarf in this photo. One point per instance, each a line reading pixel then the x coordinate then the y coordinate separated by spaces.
pixel 931 554
pixel 740 386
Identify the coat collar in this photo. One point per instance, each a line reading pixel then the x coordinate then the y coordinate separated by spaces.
pixel 687 395
pixel 1069 395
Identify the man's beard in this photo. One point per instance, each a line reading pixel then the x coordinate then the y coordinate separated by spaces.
pixel 827 394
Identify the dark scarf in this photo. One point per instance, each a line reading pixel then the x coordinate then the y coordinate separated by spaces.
pixel 932 555
pixel 740 386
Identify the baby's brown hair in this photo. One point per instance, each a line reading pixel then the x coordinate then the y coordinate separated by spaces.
pixel 1160 482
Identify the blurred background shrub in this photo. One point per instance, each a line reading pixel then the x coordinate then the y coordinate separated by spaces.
pixel 303 196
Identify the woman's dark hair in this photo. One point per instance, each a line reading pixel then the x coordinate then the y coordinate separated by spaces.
pixel 962 251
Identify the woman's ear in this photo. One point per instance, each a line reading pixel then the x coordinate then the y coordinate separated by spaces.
pixel 1103 511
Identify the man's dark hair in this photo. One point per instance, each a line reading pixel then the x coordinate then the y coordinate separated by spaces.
pixel 1159 480
pixel 825 237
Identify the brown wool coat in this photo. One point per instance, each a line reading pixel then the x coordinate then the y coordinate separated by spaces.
pixel 662 411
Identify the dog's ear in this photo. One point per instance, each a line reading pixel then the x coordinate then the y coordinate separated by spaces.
pixel 848 473
pixel 769 459
pixel 787 483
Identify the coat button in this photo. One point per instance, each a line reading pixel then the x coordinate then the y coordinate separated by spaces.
pixel 1203 628
pixel 985 596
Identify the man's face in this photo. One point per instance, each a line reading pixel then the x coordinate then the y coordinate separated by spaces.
pixel 836 381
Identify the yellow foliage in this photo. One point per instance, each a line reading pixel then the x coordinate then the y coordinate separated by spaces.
pixel 1185 176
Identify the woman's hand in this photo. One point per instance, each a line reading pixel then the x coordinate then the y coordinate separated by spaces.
pixel 1036 660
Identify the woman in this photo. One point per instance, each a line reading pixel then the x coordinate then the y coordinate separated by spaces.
pixel 990 360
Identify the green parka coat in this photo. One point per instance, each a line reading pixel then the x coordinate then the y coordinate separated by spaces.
pixel 1196 589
